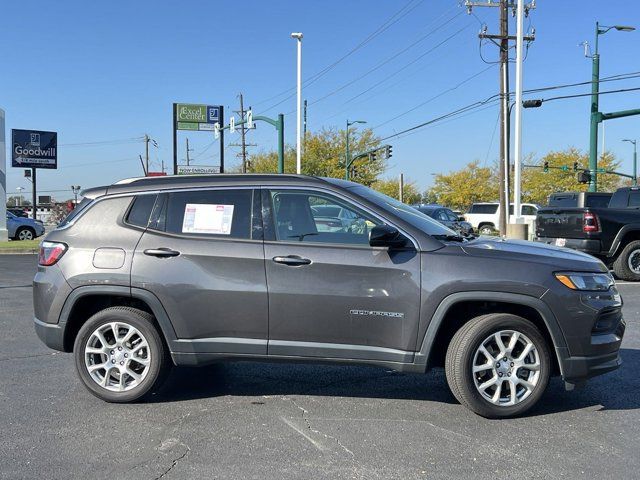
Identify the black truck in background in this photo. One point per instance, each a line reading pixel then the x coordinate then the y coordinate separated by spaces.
pixel 611 233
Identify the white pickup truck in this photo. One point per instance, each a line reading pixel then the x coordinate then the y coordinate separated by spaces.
pixel 485 217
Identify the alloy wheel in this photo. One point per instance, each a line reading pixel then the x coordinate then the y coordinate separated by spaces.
pixel 506 368
pixel 634 261
pixel 25 234
pixel 117 356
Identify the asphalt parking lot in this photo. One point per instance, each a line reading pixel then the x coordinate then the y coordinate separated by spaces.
pixel 258 421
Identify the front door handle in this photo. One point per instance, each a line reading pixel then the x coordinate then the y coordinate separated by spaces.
pixel 161 252
pixel 292 260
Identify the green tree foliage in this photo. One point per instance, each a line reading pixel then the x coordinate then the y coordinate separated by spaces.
pixel 323 155
pixel 537 184
pixel 461 188
pixel 391 187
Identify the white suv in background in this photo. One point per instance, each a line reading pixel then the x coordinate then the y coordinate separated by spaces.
pixel 485 216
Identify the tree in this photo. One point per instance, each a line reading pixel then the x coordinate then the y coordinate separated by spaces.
pixel 537 184
pixel 461 188
pixel 323 155
pixel 391 187
pixel 17 200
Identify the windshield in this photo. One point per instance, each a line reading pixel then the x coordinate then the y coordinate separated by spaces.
pixel 407 213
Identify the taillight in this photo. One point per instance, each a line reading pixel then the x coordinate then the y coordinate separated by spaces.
pixel 590 222
pixel 50 253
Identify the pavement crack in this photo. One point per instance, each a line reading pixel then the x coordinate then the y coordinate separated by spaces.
pixel 29 356
pixel 174 462
pixel 305 418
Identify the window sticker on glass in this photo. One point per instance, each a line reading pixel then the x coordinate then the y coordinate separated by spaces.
pixel 207 218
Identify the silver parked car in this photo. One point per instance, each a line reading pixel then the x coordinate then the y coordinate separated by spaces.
pixel 21 228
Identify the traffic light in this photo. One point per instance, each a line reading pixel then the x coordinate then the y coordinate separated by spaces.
pixel 575 166
pixel 388 152
pixel 546 166
pixel 372 156
pixel 583 177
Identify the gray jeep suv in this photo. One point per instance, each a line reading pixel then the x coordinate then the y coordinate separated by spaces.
pixel 152 272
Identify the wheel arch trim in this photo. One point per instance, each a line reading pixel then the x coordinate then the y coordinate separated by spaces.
pixel 549 319
pixel 617 241
pixel 149 298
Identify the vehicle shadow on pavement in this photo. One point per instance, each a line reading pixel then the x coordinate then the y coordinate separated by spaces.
pixel 613 391
pixel 265 379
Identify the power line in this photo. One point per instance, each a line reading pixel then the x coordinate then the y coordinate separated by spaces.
pixel 468 79
pixel 394 56
pixel 493 98
pixel 104 142
pixel 381 29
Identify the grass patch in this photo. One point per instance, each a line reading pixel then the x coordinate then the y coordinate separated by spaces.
pixel 19 246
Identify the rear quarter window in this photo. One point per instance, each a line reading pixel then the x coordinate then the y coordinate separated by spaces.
pixel 140 211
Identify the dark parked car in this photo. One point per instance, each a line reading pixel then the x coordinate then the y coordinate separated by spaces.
pixel 151 272
pixel 447 217
pixel 610 232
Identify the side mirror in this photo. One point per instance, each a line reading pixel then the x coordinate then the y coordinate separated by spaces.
pixel 386 236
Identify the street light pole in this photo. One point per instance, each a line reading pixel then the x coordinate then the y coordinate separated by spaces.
pixel 298 37
pixel 635 160
pixel 517 180
pixel 595 117
pixel 347 155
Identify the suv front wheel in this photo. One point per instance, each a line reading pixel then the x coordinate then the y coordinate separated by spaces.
pixel 498 365
pixel 120 356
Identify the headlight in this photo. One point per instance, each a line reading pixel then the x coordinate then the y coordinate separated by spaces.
pixel 586 281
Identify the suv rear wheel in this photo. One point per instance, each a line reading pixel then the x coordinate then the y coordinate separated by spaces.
pixel 25 233
pixel 498 365
pixel 627 265
pixel 486 229
pixel 120 355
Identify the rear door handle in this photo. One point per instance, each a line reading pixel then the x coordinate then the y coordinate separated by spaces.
pixel 161 252
pixel 292 260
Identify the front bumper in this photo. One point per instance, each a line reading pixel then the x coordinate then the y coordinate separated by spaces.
pixel 586 245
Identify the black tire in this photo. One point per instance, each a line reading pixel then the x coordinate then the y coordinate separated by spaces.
pixel 460 357
pixel 621 265
pixel 159 365
pixel 486 229
pixel 25 231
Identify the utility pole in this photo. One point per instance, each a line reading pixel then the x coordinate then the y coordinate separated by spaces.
pixel 146 153
pixel 401 187
pixel 242 124
pixel 188 150
pixel 502 42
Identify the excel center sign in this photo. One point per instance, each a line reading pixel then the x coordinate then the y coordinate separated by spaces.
pixel 196 117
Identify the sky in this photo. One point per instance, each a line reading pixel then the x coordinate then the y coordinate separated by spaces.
pixel 104 74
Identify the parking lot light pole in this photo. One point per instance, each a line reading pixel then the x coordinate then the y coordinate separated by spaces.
pixel 635 160
pixel 595 109
pixel 347 156
pixel 298 37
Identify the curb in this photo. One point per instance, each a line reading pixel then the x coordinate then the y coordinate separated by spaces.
pixel 18 251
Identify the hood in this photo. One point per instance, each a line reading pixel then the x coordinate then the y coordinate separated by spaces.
pixel 558 257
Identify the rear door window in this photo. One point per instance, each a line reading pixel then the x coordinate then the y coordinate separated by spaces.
pixel 223 213
pixel 529 210
pixel 634 199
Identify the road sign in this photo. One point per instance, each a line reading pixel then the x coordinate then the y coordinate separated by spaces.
pixel 197 169
pixel 34 149
pixel 232 124
pixel 196 117
pixel 249 119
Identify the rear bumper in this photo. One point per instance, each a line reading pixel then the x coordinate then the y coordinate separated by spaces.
pixel 52 335
pixel 587 245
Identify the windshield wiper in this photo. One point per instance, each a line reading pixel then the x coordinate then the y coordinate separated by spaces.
pixel 301 236
pixel 450 238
